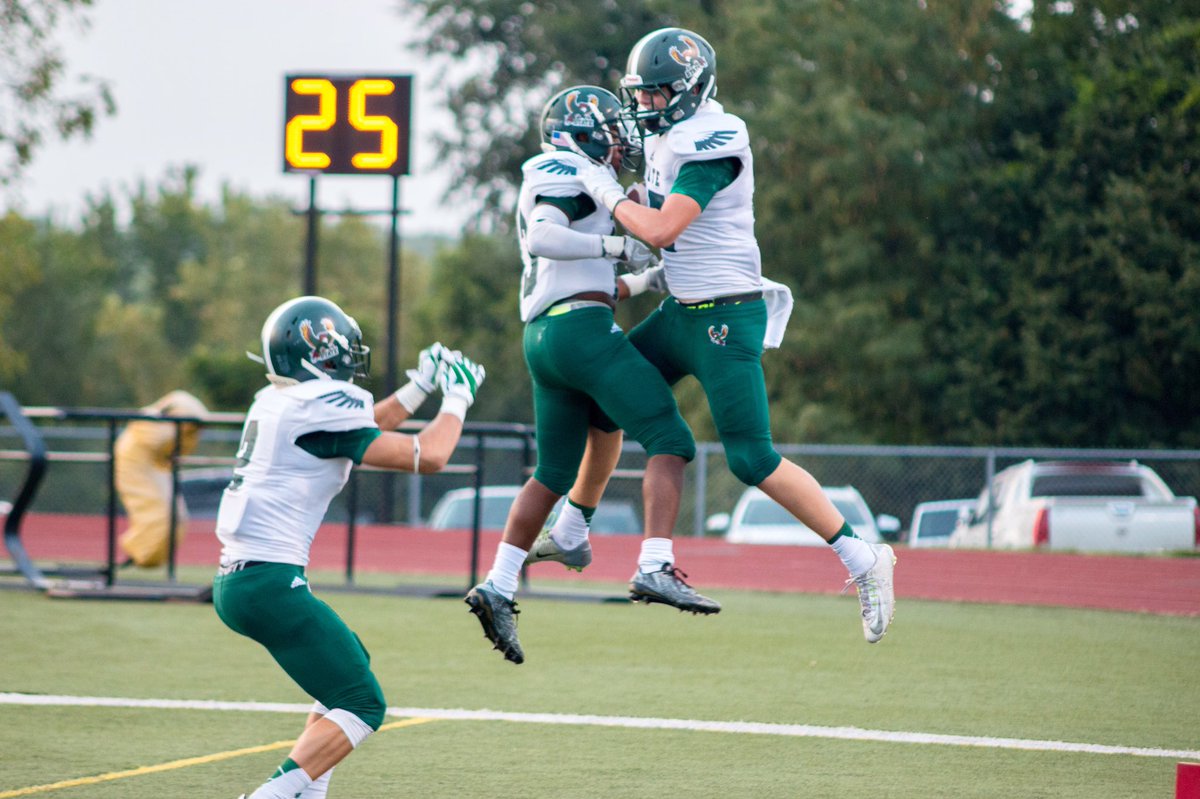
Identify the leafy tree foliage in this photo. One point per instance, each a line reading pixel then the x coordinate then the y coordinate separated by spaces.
pixel 508 57
pixel 33 99
pixel 990 225
pixel 987 221
pixel 117 314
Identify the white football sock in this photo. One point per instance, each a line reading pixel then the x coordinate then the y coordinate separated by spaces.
pixel 319 789
pixel 506 569
pixel 283 786
pixel 570 530
pixel 855 553
pixel 655 553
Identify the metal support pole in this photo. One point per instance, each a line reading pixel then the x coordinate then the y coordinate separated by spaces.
pixel 172 544
pixel 387 497
pixel 701 498
pixel 990 477
pixel 310 244
pixel 351 525
pixel 476 512
pixel 393 292
pixel 110 540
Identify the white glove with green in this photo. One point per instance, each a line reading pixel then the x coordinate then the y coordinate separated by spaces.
pixel 653 279
pixel 636 256
pixel 603 186
pixel 459 378
pixel 423 379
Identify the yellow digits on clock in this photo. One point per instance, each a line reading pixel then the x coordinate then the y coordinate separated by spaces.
pixel 299 125
pixel 388 132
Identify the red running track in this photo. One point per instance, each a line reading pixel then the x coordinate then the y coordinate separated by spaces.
pixel 1167 586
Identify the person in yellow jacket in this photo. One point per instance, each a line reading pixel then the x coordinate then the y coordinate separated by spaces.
pixel 143 476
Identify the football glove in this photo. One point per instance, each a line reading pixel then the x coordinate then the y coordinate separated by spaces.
pixel 459 379
pixel 425 375
pixel 602 186
pixel 423 379
pixel 636 256
pixel 653 279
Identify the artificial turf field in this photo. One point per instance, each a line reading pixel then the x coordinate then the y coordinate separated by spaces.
pixel 778 696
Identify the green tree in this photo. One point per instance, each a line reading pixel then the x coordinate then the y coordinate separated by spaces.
pixel 507 58
pixel 1103 295
pixel 33 98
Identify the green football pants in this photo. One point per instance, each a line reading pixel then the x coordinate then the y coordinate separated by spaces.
pixel 271 603
pixel 585 372
pixel 721 346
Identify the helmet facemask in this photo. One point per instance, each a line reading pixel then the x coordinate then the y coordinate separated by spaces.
pixel 673 64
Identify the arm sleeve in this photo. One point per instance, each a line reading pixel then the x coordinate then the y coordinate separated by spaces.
pixel 345 444
pixel 700 180
pixel 550 237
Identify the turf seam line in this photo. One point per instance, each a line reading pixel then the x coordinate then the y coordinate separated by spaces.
pixel 636 722
pixel 171 765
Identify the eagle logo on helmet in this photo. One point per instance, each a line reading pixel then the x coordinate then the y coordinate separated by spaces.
pixel 582 114
pixel 322 344
pixel 690 58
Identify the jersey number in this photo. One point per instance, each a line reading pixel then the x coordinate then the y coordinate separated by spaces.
pixel 245 451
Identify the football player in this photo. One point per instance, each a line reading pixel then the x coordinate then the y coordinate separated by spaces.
pixel 301 437
pixel 584 370
pixel 699 176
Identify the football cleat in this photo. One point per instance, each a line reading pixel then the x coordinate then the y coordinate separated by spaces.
pixel 876 593
pixel 545 549
pixel 498 616
pixel 666 587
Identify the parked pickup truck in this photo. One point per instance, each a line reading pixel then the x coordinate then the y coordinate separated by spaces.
pixel 1080 505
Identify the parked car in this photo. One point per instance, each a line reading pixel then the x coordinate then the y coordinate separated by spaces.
pixel 456 508
pixel 1080 505
pixel 758 519
pixel 933 522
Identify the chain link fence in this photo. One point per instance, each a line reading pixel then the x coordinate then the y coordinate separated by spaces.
pixel 892 479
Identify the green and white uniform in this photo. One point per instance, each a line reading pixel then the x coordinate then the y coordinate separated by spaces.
pixel 280 492
pixel 717 254
pixel 707 328
pixel 552 179
pixel 584 370
pixel 298 445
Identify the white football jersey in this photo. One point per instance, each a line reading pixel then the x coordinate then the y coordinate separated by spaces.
pixel 279 493
pixel 544 281
pixel 717 254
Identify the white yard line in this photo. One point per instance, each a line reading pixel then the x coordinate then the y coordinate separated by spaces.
pixel 633 722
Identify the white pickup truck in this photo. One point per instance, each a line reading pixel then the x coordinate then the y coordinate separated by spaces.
pixel 1080 505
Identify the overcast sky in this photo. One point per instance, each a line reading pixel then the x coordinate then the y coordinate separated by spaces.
pixel 202 83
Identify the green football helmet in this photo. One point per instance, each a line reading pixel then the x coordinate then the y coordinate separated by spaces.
pixel 585 120
pixel 311 338
pixel 678 65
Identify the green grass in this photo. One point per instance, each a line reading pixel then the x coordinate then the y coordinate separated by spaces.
pixel 973 670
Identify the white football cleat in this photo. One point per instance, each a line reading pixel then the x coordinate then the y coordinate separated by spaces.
pixel 877 593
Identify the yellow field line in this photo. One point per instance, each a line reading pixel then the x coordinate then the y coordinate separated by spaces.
pixel 177 764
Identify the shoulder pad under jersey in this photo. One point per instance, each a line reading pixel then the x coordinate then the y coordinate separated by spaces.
pixel 334 400
pixel 705 137
pixel 555 174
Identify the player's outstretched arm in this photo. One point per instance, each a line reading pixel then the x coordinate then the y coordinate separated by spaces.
pixel 459 379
